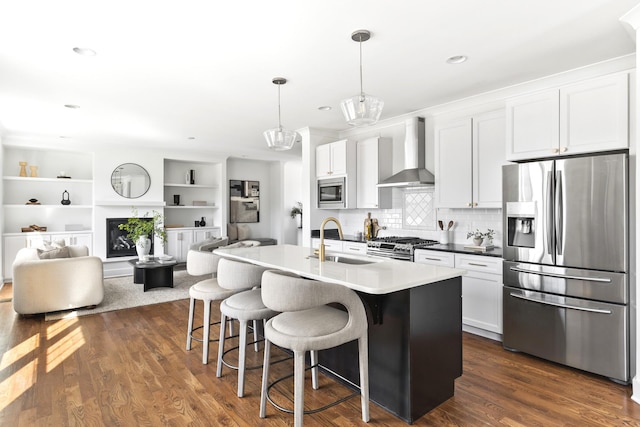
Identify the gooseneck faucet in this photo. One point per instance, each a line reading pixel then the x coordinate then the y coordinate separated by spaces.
pixel 321 249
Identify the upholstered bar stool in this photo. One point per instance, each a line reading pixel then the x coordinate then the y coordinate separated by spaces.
pixel 307 323
pixel 199 263
pixel 244 306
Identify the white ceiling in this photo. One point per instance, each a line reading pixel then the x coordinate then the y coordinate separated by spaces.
pixel 169 70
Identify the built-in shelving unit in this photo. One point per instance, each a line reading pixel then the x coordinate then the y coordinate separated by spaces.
pixel 56 172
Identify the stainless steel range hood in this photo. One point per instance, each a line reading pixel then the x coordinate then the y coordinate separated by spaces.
pixel 414 174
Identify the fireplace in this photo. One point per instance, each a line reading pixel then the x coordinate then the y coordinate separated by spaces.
pixel 118 245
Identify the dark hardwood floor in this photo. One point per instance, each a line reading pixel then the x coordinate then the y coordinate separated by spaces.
pixel 130 368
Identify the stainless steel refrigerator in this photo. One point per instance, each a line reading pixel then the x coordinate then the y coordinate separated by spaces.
pixel 565 245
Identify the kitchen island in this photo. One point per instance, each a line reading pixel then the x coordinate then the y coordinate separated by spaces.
pixel 415 323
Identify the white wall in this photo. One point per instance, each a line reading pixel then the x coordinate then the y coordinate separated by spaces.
pixel 292 194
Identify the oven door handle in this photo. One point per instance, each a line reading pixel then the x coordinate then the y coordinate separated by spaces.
pixel 561 276
pixel 570 307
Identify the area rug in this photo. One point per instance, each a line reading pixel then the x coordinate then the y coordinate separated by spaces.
pixel 121 292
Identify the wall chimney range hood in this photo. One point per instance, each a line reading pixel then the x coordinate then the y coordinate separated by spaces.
pixel 414 174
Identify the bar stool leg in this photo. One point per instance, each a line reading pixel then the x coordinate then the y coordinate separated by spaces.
pixel 206 331
pixel 192 307
pixel 223 324
pixel 256 345
pixel 298 381
pixel 314 369
pixel 363 354
pixel 265 379
pixel 242 356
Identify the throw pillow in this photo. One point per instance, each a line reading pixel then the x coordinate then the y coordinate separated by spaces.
pixel 56 244
pixel 215 243
pixel 232 232
pixel 243 232
pixel 54 253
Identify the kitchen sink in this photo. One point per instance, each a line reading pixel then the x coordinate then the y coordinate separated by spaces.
pixel 344 259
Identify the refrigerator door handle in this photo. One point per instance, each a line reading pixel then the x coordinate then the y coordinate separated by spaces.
pixel 549 214
pixel 570 307
pixel 559 214
pixel 561 276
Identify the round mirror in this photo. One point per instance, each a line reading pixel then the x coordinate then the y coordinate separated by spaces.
pixel 130 180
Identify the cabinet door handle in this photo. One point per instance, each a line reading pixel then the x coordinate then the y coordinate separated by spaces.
pixel 353 249
pixel 469 205
pixel 477 264
pixel 475 204
pixel 433 259
pixel 564 149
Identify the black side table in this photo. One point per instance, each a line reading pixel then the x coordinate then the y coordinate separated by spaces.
pixel 153 274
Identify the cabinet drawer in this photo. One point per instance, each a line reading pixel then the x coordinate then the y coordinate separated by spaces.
pixel 479 263
pixel 445 259
pixel 354 248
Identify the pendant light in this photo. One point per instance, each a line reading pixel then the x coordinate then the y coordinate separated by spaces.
pixel 279 139
pixel 362 109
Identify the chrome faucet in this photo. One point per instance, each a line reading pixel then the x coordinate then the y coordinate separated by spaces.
pixel 320 251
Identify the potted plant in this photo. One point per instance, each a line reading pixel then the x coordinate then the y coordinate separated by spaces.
pixel 295 211
pixel 479 236
pixel 141 229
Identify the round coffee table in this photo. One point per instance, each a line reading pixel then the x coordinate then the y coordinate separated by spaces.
pixel 153 273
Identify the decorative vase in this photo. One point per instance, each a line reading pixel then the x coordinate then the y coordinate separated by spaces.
pixel 34 171
pixel 23 168
pixel 477 241
pixel 176 199
pixel 192 176
pixel 143 247
pixel 299 220
pixel 202 222
pixel 65 198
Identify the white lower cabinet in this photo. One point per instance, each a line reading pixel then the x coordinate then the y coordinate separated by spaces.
pixel 329 245
pixel 481 292
pixel 359 248
pixel 481 289
pixel 180 240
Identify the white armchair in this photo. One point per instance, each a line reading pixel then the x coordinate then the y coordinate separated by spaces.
pixel 46 285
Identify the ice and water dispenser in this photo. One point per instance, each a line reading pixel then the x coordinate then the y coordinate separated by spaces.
pixel 521 224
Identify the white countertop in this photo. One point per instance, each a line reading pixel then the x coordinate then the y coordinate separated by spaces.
pixel 383 276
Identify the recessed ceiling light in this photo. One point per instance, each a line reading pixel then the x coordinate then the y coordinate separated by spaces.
pixel 324 108
pixel 72 106
pixel 64 136
pixel 192 137
pixel 84 51
pixel 457 59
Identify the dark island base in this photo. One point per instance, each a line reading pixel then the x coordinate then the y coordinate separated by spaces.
pixel 415 348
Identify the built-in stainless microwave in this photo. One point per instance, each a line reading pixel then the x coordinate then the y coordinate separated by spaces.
pixel 332 193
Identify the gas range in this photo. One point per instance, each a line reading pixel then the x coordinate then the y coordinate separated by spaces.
pixel 397 247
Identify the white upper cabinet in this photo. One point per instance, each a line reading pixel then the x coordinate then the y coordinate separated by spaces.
pixel 469 158
pixel 374 163
pixel 585 117
pixel 333 159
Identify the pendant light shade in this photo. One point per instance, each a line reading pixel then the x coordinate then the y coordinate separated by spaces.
pixel 280 139
pixel 361 109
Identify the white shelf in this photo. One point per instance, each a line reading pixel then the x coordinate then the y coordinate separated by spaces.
pixel 190 207
pixel 50 206
pixel 191 185
pixel 52 233
pixel 37 179
pixel 132 202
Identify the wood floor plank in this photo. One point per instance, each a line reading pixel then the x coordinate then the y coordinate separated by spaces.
pixel 130 367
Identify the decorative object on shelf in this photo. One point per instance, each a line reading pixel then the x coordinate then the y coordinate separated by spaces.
pixel 130 180
pixel 33 227
pixel 280 139
pixel 176 200
pixel 32 202
pixel 23 168
pixel 202 222
pixel 196 223
pixel 34 171
pixel 361 109
pixel 187 178
pixel 63 175
pixel 192 176
pixel 296 213
pixel 199 203
pixel 65 198
pixel 137 227
pixel 479 236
